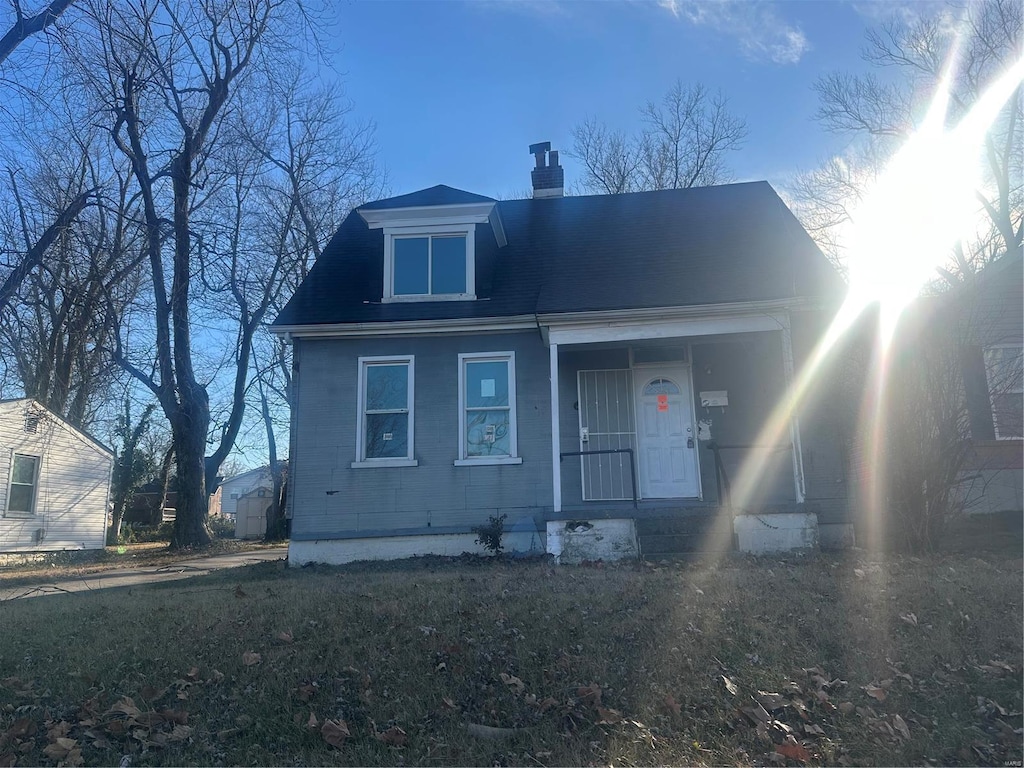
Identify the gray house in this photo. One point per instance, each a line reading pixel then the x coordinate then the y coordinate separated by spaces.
pixel 597 369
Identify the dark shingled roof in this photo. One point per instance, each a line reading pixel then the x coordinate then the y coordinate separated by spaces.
pixel 708 245
pixel 439 195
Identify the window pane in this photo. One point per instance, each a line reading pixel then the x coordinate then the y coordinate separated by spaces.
pixel 387 387
pixel 449 265
pixel 1009 414
pixel 387 435
pixel 21 498
pixel 487 433
pixel 487 384
pixel 661 387
pixel 24 470
pixel 411 266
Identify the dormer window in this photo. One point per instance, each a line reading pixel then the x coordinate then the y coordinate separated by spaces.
pixel 430 244
pixel 434 265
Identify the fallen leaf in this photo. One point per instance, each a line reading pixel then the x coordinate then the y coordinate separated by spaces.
pixel 335 732
pixel 59 749
pixel 875 692
pixel 149 693
pixel 859 573
pixel 178 716
pixel 227 733
pixel 23 726
pixel 394 736
pixel 672 704
pixel 285 637
pixel 847 707
pixel 793 751
pixel 249 658
pixel 608 716
pixel 513 682
pixel 901 726
pixel 216 676
pixel 730 686
pixel 590 694
pixel 547 704
pixel 312 723
pixel 306 691
pixel 910 618
pixel 192 674
pixel 125 706
pixel 449 703
pixel 180 733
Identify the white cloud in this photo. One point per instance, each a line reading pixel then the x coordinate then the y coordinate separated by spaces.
pixel 761 33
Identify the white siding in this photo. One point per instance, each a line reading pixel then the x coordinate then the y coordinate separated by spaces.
pixel 239 485
pixel 72 487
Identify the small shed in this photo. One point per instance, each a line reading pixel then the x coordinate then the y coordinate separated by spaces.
pixel 251 513
pixel 54 482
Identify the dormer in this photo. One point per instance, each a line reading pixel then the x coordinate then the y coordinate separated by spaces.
pixel 430 242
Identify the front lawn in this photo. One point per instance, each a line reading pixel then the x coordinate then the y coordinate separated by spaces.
pixel 838 660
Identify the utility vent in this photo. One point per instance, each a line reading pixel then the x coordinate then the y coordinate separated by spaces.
pixel 31 422
pixel 39 534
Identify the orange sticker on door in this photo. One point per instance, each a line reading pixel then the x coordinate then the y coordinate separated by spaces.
pixel 662 403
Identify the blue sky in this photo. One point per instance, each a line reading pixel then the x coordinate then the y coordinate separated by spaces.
pixel 459 89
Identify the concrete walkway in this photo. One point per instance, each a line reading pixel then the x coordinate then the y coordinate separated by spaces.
pixel 130 577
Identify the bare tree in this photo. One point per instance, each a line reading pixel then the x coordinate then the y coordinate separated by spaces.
pixel 57 332
pixel 23 25
pixel 169 76
pixel 981 39
pixel 685 142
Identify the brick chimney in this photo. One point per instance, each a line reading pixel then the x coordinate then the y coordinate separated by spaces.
pixel 548 177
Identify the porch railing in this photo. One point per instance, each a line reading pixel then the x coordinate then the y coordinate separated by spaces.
pixel 721 476
pixel 632 463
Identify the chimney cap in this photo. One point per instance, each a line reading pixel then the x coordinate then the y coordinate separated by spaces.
pixel 543 146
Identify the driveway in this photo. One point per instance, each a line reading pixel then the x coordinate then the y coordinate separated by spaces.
pixel 130 577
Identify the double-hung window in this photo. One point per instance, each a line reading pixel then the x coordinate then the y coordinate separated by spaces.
pixel 487 409
pixel 21 495
pixel 386 424
pixel 1004 369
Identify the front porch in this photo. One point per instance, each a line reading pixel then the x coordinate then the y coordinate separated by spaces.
pixel 653 421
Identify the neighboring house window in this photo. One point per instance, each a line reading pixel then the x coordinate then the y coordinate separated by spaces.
pixel 386 425
pixel 430 265
pixel 1004 369
pixel 24 476
pixel 487 409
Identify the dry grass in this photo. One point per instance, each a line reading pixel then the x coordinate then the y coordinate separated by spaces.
pixel 821 660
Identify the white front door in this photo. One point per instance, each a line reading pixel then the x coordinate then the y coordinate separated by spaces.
pixel 668 452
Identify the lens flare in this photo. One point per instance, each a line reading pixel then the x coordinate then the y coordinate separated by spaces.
pixel 919 207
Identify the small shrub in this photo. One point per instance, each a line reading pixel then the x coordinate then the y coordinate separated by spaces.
pixel 222 527
pixel 489 535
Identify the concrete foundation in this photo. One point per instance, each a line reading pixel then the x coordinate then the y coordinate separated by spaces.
pixel 760 534
pixel 341 551
pixel 836 536
pixel 574 541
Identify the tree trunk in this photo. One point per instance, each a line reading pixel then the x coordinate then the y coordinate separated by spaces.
pixel 189 435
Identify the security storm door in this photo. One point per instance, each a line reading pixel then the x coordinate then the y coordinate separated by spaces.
pixel 607 422
pixel 668 453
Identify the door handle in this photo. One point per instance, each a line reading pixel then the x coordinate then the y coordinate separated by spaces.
pixel 689 442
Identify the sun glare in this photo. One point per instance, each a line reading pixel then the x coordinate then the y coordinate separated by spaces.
pixel 902 231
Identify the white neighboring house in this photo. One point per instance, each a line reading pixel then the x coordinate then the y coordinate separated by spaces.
pixel 54 481
pixel 238 486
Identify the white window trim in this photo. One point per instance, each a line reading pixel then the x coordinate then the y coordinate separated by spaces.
pixel 8 512
pixel 475 461
pixel 991 394
pixel 397 461
pixel 392 233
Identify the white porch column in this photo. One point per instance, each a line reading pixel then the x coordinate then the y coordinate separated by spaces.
pixel 794 421
pixel 556 442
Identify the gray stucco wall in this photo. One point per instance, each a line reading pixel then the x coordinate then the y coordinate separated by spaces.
pixel 333 500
